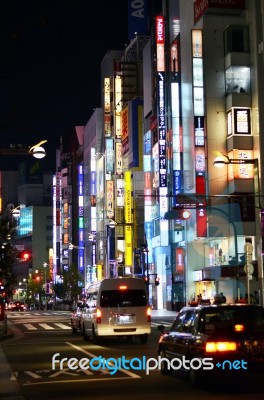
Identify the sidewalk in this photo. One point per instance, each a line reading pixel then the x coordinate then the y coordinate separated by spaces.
pixel 9 388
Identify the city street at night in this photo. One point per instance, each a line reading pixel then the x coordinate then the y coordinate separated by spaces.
pixel 132 200
pixel 38 335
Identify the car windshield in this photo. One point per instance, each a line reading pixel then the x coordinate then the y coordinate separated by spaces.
pixel 223 317
pixel 126 298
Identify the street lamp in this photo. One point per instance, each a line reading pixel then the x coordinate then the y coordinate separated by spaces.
pixel 146 252
pixel 219 162
pixel 36 151
pixel 92 269
pixel 113 223
pixel 128 238
pixel 222 160
pixel 45 283
pixel 73 246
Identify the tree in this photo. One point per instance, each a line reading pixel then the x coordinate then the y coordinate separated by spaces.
pixel 7 256
pixel 71 286
pixel 59 290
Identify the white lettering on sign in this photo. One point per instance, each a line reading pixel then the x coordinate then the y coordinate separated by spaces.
pixel 138 5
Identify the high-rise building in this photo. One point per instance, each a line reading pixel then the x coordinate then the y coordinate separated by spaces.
pixel 27 206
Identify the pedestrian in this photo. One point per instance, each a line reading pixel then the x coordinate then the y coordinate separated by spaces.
pixel 223 297
pixel 199 298
pixel 256 296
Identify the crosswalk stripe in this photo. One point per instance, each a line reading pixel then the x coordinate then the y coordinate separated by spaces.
pixel 46 326
pixel 155 324
pixel 30 327
pixel 62 326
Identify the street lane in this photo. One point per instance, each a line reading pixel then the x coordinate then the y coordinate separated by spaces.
pixel 30 357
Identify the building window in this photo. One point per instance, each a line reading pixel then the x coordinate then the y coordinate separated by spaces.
pixel 236 39
pixel 237 79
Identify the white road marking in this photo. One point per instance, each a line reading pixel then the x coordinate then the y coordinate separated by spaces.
pixel 33 374
pixel 62 326
pixel 131 374
pixel 30 327
pixel 46 326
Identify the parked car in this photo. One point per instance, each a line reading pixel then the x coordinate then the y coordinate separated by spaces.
pixel 223 338
pixel 76 319
pixel 8 305
pixel 17 306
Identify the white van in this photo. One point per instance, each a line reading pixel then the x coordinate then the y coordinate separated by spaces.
pixel 117 307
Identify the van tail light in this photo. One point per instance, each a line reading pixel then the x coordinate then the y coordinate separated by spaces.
pixel 213 347
pixel 98 316
pixel 149 314
pixel 239 328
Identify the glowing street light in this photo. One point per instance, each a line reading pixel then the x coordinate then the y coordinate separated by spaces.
pixel 113 223
pixel 36 151
pixel 223 159
pixel 72 246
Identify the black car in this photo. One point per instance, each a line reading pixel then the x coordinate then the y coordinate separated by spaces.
pixel 212 340
pixel 18 306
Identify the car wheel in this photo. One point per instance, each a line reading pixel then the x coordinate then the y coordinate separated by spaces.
pixel 74 330
pixel 96 339
pixel 143 338
pixel 195 378
pixel 164 365
pixel 85 336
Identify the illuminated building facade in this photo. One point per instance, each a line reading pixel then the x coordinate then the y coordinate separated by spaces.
pixel 202 100
pixel 181 94
pixel 123 217
pixel 68 207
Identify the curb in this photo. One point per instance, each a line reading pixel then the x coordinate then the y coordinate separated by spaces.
pixel 9 387
pixel 8 335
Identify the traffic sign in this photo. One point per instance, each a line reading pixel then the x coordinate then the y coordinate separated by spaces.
pixel 249 269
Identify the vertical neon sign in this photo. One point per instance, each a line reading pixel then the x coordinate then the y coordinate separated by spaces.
pixel 80 220
pixel 163 190
pixel 199 133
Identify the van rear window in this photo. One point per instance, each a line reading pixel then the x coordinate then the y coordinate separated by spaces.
pixel 126 298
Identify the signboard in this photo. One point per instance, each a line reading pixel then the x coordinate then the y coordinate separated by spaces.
pixel 191 200
pixel 242 121
pixel 137 17
pixel 200 6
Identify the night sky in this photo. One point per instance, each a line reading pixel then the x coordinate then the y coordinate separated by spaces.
pixel 50 56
